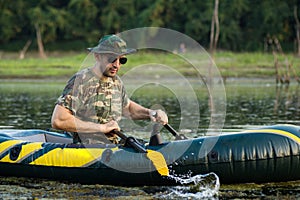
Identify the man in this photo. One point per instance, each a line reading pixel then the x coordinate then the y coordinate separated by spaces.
pixel 94 99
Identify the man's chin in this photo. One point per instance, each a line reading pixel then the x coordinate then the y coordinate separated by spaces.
pixel 111 75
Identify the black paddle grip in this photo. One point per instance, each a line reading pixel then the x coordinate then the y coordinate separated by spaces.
pixel 131 141
pixel 135 144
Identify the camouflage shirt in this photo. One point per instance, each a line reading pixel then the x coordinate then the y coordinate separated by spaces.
pixel 92 99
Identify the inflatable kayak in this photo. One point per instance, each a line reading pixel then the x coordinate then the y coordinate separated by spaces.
pixel 262 155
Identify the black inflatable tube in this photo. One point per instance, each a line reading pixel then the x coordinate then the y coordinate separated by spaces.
pixel 264 155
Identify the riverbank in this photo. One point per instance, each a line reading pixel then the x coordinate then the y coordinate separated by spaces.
pixel 64 64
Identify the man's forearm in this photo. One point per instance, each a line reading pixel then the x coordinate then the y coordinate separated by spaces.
pixel 136 111
pixel 74 124
pixel 64 120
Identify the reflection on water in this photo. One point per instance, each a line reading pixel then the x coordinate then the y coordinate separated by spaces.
pixel 27 105
pixel 30 104
pixel 262 104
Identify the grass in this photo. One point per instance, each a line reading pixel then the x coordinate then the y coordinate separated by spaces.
pixel 65 64
pixel 32 67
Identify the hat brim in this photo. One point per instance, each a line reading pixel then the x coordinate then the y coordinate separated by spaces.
pixel 96 50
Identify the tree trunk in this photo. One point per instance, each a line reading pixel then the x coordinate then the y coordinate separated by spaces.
pixel 216 13
pixel 40 41
pixel 297 30
pixel 276 67
pixel 214 36
pixel 24 50
pixel 212 33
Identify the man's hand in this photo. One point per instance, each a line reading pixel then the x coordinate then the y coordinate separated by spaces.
pixel 109 126
pixel 158 116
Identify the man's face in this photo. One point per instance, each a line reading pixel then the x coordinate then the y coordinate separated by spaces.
pixel 111 64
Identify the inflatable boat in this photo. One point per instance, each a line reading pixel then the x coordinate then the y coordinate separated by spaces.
pixel 267 154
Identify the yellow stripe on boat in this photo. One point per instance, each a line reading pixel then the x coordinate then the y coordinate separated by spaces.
pixel 70 157
pixel 8 144
pixel 26 150
pixel 275 131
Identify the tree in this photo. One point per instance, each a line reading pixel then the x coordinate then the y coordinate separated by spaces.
pixel 12 19
pixel 46 20
pixel 114 18
pixel 39 21
pixel 297 27
pixel 245 23
pixel 197 20
pixel 234 16
pixel 214 36
pixel 83 19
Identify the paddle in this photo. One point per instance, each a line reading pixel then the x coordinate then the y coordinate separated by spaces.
pixel 157 158
pixel 174 133
pixel 170 128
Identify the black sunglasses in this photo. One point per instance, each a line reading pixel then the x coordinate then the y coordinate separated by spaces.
pixel 122 60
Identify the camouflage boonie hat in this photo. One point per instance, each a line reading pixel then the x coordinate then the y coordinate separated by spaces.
pixel 111 44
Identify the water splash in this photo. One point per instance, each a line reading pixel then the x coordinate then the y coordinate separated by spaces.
pixel 194 187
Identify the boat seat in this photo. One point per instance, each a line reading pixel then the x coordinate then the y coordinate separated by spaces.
pixel 39 136
pixel 44 137
pixel 32 138
pixel 58 139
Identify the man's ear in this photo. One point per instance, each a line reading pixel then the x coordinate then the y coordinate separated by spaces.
pixel 97 57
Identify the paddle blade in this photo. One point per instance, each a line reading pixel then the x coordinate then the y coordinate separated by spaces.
pixel 158 161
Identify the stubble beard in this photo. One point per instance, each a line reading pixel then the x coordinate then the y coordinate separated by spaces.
pixel 107 73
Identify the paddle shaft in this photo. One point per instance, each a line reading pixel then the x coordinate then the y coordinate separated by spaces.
pixel 174 133
pixel 171 129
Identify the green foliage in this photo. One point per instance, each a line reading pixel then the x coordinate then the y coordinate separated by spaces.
pixel 244 24
pixel 82 17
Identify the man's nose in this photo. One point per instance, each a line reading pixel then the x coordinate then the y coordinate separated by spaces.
pixel 116 63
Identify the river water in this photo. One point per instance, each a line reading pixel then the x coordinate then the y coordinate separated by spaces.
pixel 28 104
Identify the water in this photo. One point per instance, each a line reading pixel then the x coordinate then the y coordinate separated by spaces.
pixel 193 187
pixel 197 187
pixel 250 103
